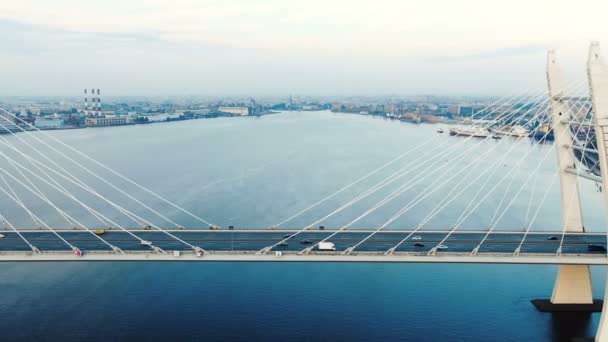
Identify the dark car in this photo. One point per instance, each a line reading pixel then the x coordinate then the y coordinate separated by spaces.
pixel 596 248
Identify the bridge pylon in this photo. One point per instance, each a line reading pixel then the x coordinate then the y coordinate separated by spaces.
pixel 597 71
pixel 573 283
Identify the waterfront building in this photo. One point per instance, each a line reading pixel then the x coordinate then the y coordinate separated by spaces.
pixel 7 122
pixel 202 111
pixel 48 123
pixel 454 110
pixel 466 110
pixel 242 111
pixel 336 107
pixel 106 121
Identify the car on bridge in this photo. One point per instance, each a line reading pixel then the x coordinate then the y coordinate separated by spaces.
pixel 596 248
pixel 327 246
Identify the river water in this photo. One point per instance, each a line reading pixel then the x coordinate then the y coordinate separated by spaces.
pixel 254 172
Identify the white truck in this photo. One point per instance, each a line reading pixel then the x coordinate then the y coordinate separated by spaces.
pixel 327 246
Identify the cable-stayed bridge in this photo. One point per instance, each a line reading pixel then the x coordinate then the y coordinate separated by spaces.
pixel 245 244
pixel 41 171
pixel 40 174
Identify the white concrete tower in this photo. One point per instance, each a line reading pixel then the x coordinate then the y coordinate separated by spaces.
pixel 573 283
pixel 597 72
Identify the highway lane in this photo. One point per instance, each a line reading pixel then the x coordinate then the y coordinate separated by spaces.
pixel 244 240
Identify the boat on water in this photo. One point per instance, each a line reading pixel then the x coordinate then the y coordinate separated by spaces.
pixel 429 118
pixel 440 131
pixel 470 131
pixel 544 133
pixel 411 117
pixel 513 131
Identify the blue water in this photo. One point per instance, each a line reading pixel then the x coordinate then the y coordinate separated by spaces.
pixel 251 173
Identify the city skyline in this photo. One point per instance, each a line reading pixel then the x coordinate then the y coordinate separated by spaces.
pixel 273 47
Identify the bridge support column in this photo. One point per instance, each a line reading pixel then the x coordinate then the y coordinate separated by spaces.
pixel 598 81
pixel 573 283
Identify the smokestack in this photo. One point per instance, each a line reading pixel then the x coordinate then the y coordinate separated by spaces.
pixel 98 103
pixel 86 104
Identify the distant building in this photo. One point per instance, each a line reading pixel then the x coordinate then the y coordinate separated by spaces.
pixel 455 110
pixel 132 117
pixel 106 121
pixel 466 111
pixel 432 106
pixel 202 111
pixel 242 111
pixel 27 120
pixel 48 123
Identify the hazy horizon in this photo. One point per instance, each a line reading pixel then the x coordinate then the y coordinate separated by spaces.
pixel 274 48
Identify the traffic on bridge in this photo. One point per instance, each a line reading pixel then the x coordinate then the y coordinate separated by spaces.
pixel 253 241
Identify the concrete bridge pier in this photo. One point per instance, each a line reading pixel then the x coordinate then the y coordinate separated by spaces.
pixel 572 286
pixel 573 283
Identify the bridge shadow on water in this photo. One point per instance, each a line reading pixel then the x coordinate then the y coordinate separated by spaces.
pixel 572 327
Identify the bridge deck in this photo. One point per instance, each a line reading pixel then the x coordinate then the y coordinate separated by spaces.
pixel 243 245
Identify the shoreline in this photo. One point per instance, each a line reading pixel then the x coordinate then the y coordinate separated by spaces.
pixel 61 128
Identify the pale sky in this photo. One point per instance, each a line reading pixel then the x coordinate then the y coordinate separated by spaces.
pixel 307 47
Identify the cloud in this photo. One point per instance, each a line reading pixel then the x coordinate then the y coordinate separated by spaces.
pixel 493 54
pixel 307 46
